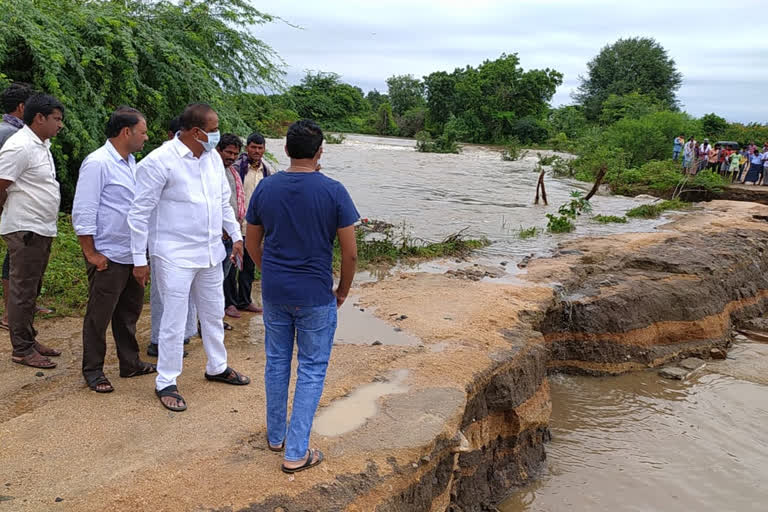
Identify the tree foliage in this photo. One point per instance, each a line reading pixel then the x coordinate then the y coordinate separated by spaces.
pixel 324 98
pixel 713 125
pixel 157 56
pixel 405 93
pixel 385 120
pixel 489 99
pixel 637 64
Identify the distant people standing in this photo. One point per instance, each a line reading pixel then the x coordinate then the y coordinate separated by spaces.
pixel 755 173
pixel 734 165
pixel 677 146
pixel 155 299
pixel 29 195
pixel 104 194
pixel 703 156
pixel 13 99
pixel 298 214
pixel 252 169
pixel 689 154
pixel 229 147
pixel 713 156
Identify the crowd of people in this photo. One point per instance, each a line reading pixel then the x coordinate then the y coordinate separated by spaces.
pixel 738 164
pixel 193 218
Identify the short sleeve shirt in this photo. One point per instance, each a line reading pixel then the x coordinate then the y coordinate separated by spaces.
pixel 33 197
pixel 300 214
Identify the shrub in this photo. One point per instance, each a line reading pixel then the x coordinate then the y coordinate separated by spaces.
pixel 562 223
pixel 530 131
pixel 608 219
pixel 443 144
pixel 511 150
pixel 331 138
pixel 651 211
pixel 524 233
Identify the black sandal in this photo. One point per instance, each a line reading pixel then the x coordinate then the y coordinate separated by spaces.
pixel 306 465
pixel 228 327
pixel 144 368
pixel 96 382
pixel 230 376
pixel 171 391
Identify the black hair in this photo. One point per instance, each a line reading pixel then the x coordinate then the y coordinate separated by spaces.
pixel 16 94
pixel 255 138
pixel 123 117
pixel 175 125
pixel 304 139
pixel 41 104
pixel 229 139
pixel 194 116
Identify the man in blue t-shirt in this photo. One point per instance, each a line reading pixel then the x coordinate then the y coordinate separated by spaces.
pixel 298 214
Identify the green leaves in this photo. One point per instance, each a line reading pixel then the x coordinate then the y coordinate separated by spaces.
pixel 156 56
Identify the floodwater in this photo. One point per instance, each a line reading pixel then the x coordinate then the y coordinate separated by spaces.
pixel 437 195
pixel 639 442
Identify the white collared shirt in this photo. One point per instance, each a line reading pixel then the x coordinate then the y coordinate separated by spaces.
pixel 33 198
pixel 180 208
pixel 103 197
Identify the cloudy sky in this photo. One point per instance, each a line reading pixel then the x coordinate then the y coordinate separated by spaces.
pixel 720 47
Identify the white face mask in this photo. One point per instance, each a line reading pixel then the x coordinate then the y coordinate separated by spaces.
pixel 213 140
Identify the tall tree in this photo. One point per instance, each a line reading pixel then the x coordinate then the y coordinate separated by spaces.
pixel 637 64
pixel 154 55
pixel 405 92
pixel 326 99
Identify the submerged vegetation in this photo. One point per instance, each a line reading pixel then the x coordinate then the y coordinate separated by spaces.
pixel 567 213
pixel 608 219
pixel 653 210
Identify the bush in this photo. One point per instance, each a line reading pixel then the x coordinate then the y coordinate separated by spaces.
pixel 331 138
pixel 511 150
pixel 659 176
pixel 524 233
pixel 651 211
pixel 530 131
pixel 412 122
pixel 443 144
pixel 560 142
pixel 562 222
pixel 608 219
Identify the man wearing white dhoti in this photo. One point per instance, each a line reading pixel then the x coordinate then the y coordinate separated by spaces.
pixel 181 206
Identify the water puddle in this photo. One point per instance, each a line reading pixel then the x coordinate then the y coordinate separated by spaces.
pixel 351 412
pixel 358 326
pixel 639 442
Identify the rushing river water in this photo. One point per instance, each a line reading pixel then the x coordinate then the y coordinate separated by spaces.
pixel 437 195
pixel 631 443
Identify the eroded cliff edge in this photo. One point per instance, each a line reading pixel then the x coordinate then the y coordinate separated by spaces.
pixel 470 420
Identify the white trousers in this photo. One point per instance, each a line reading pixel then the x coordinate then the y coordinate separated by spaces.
pixel 177 286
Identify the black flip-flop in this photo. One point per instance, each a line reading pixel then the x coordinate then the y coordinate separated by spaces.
pixel 306 465
pixel 228 327
pixel 230 376
pixel 171 391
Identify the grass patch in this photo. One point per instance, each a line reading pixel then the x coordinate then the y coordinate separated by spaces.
pixel 381 243
pixel 331 138
pixel 608 219
pixel 651 211
pixel 531 232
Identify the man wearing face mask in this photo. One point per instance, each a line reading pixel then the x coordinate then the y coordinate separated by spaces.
pixel 180 208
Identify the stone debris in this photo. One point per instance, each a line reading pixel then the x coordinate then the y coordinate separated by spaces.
pixel 673 373
pixel 476 274
pixel 462 445
pixel 717 353
pixel 692 363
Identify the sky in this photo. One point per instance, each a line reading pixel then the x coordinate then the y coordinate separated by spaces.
pixel 722 55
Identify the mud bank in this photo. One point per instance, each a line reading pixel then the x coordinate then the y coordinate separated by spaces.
pixel 462 418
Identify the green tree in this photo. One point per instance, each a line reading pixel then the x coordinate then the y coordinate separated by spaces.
pixel 375 99
pixel 323 97
pixel 713 125
pixel 568 119
pixel 412 122
pixel 154 55
pixel 637 64
pixel 405 92
pixel 632 105
pixel 385 121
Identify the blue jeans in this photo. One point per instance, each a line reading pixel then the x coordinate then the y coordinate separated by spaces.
pixel 313 328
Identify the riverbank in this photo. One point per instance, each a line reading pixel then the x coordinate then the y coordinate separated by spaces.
pixel 451 406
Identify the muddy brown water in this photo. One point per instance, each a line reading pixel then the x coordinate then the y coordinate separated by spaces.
pixel 437 195
pixel 639 442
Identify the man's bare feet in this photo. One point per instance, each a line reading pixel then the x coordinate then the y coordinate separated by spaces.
pixel 252 308
pixel 232 311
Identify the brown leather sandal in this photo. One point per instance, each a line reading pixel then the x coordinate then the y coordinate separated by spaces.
pixel 45 350
pixel 35 360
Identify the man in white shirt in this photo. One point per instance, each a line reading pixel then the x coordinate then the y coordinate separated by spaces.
pixel 29 196
pixel 181 206
pixel 104 194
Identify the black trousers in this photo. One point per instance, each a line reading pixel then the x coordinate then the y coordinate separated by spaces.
pixel 238 284
pixel 29 252
pixel 113 296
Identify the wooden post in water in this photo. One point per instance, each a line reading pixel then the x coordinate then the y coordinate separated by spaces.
pixel 598 181
pixel 540 184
